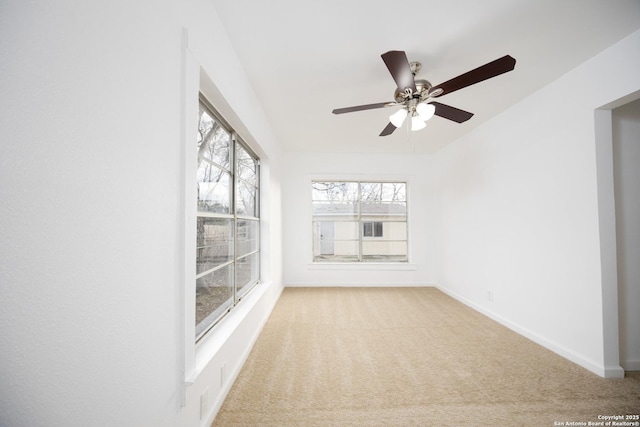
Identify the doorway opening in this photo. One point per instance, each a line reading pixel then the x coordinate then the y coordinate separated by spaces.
pixel 626 177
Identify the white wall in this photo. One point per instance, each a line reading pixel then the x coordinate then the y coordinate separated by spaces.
pixel 302 168
pixel 626 158
pixel 94 110
pixel 519 215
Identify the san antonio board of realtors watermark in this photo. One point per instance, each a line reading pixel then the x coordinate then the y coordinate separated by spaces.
pixel 605 421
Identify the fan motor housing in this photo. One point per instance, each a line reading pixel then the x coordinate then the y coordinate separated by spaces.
pixel 421 93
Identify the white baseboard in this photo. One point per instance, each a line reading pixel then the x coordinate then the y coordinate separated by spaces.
pixel 598 369
pixel 631 365
pixel 359 285
pixel 613 372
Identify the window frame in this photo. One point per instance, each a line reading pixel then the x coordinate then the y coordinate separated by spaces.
pixel 360 218
pixel 238 290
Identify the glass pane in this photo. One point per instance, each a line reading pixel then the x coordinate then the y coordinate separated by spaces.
pixel 247 165
pixel 383 191
pixel 383 250
pixel 336 192
pixel 214 189
pixel 377 229
pixel 337 200
pixel 388 198
pixel 346 248
pixel 393 230
pixel 325 209
pixel 374 229
pixel 246 200
pixel 387 230
pixel 345 230
pixel 205 124
pixel 397 209
pixel 247 237
pixel 335 241
pixel 341 251
pixel 214 141
pixel 247 271
pixel 323 237
pixel 214 243
pixel 214 294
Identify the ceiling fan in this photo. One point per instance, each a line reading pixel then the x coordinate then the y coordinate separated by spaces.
pixel 414 94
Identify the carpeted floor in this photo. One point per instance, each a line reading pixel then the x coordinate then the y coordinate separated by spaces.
pixel 409 356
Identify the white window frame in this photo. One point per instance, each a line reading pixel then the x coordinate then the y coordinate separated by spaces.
pixel 361 238
pixel 237 294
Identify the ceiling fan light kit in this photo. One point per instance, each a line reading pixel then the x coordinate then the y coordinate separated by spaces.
pixel 398 117
pixel 414 95
pixel 425 111
pixel 417 123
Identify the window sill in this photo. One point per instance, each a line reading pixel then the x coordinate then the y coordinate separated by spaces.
pixel 218 336
pixel 389 266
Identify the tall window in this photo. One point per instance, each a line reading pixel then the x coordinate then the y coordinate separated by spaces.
pixel 228 223
pixel 359 221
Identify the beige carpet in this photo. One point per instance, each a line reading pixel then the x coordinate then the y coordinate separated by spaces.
pixel 408 356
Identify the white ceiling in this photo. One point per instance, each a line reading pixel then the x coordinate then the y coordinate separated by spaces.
pixel 305 58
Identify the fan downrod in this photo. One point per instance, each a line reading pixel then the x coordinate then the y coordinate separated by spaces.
pixel 415 66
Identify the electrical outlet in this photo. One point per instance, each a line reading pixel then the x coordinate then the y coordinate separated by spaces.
pixel 490 295
pixel 204 403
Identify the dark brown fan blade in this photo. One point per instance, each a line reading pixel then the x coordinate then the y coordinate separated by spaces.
pixel 388 130
pixel 484 72
pixel 363 107
pixel 451 113
pixel 398 65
